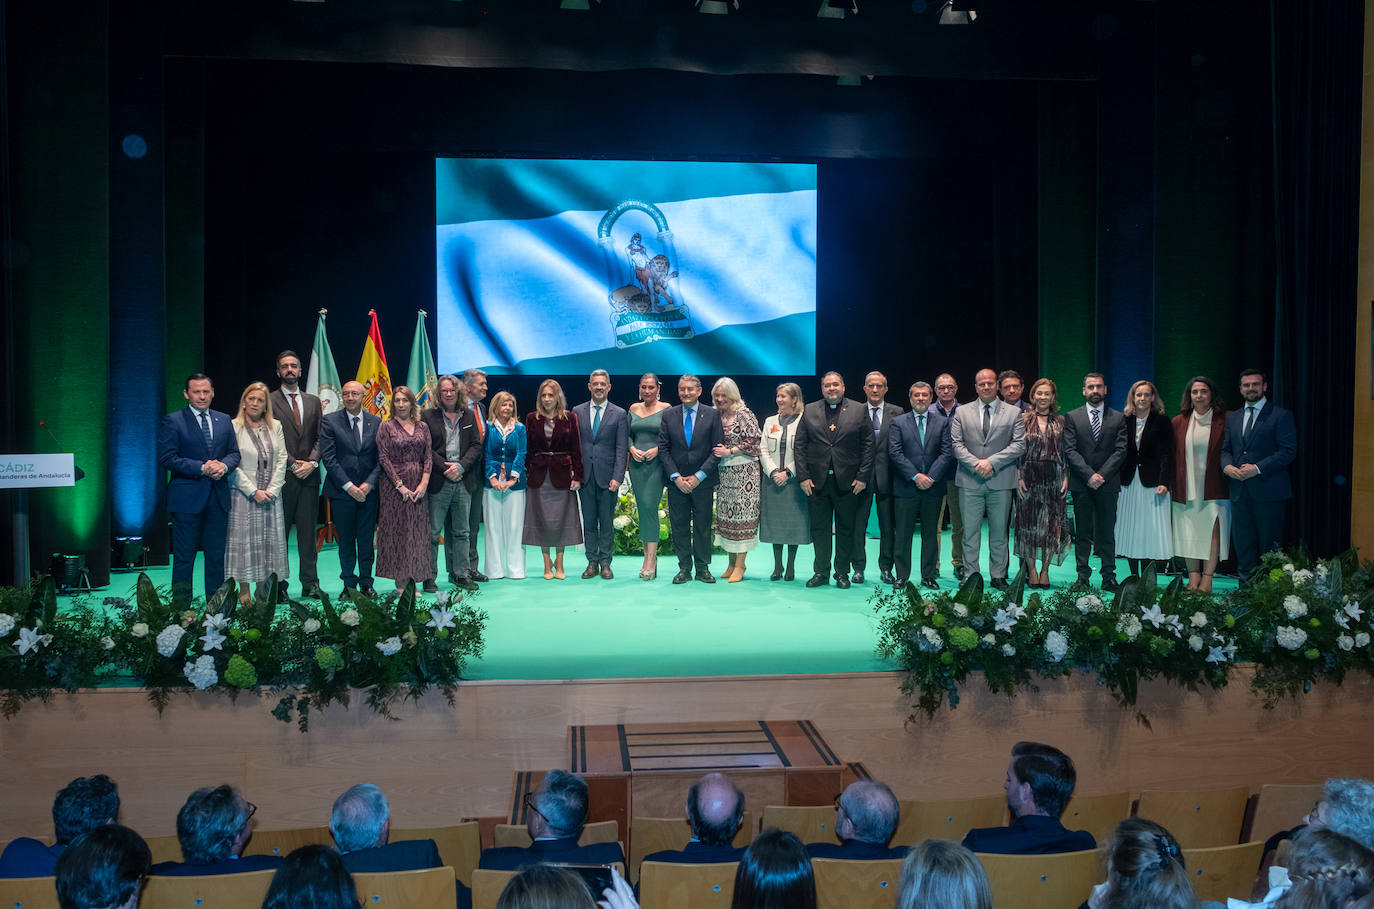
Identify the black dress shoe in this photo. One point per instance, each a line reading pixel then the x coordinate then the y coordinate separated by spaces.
pixel 930 584
pixel 431 587
pixel 283 591
pixel 1110 585
pixel 313 591
pixel 842 582
pixel 858 577
pixel 706 577
pixel 818 580
pixel 592 571
pixel 465 582
pixel 370 591
pixel 478 576
pixel 776 575
pixel 682 577
pixel 888 577
pixel 999 584
pixel 960 574
pixel 789 575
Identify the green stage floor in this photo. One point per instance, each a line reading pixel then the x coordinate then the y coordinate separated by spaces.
pixel 628 628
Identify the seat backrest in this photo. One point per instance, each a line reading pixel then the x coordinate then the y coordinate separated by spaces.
pixel 29 893
pixel 596 832
pixel 811 823
pixel 285 842
pixel 430 888
pixel 209 891
pixel 487 885
pixel 842 884
pixel 655 834
pixel 670 886
pixel 1097 814
pixel 1043 881
pixel 164 848
pixel 947 819
pixel 1282 808
pixel 460 846
pixel 1221 872
pixel 1197 817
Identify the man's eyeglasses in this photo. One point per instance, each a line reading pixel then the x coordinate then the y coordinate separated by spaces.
pixel 528 802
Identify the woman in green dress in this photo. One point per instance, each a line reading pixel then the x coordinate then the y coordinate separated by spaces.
pixel 646 473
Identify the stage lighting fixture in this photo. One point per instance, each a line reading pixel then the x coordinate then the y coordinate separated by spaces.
pixel 958 12
pixel 69 572
pixel 836 9
pixel 575 4
pixel 128 553
pixel 716 7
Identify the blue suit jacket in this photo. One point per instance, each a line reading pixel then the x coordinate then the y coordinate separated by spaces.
pixel 1030 835
pixel 695 853
pixel 603 457
pixel 181 452
pixel 909 457
pixel 407 855
pixel 856 851
pixel 677 457
pixel 343 459
pixel 1273 446
pixel 513 858
pixel 228 866
pixel 28 857
pixel 508 450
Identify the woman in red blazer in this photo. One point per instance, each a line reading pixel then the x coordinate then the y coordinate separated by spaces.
pixel 1202 494
pixel 553 462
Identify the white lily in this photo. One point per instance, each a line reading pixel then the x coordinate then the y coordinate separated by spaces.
pixel 213 640
pixel 441 617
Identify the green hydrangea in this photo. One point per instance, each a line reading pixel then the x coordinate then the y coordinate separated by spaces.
pixel 1276 574
pixel 1229 620
pixel 1094 633
pixel 328 658
pixel 1312 654
pixel 240 673
pixel 1161 647
pixel 1315 622
pixel 947 658
pixel 937 620
pixel 963 638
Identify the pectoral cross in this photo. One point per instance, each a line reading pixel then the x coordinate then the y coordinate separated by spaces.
pixel 832 427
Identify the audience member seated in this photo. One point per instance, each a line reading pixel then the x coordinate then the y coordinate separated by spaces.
pixel 556 815
pixel 1145 870
pixel 103 868
pixel 715 811
pixel 1040 780
pixel 361 825
pixel 865 821
pixel 938 874
pixel 542 886
pixel 1329 871
pixel 82 805
pixel 213 827
pixel 775 873
pixel 312 877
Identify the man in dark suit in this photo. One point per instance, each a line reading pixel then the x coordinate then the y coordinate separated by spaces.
pixel 1095 447
pixel 1040 781
pixel 198 449
pixel 715 811
pixel 361 826
pixel 605 432
pixel 82 805
pixel 213 827
pixel 1261 441
pixel 475 387
pixel 300 413
pixel 453 478
pixel 557 813
pixel 946 403
pixel 686 438
pixel 834 449
pixel 880 415
pixel 864 822
pixel 921 457
pixel 348 448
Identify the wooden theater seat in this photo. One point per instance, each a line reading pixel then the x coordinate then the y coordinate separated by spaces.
pixel 29 893
pixel 842 884
pixel 459 845
pixel 209 891
pixel 1221 872
pixel 947 819
pixel 164 848
pixel 1097 814
pixel 285 842
pixel 1043 881
pixel 663 885
pixel 430 888
pixel 811 823
pixel 1197 817
pixel 655 834
pixel 1282 808
pixel 597 832
pixel 487 884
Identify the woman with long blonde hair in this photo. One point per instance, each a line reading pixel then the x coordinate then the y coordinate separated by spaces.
pixel 554 464
pixel 255 541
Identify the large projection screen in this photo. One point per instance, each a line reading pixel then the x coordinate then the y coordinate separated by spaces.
pixel 559 267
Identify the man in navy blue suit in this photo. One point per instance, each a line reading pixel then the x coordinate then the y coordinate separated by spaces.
pixel 556 815
pixel 348 450
pixel 865 820
pixel 198 448
pixel 715 811
pixel 687 438
pixel 1261 441
pixel 82 805
pixel 361 826
pixel 921 461
pixel 1040 781
pixel 213 827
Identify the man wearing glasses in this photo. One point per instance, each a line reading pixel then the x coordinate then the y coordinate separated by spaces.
pixel 554 816
pixel 866 816
pixel 213 827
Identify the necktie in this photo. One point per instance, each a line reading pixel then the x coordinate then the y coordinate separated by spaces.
pixel 296 408
pixel 987 419
pixel 481 425
pixel 1095 418
pixel 205 430
pixel 358 431
pixel 877 419
pixel 921 427
pixel 596 421
pixel 1249 424
pixel 687 424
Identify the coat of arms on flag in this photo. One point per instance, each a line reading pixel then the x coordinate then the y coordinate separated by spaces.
pixel 649 307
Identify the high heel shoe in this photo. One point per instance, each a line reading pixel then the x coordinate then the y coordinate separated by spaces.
pixel 736 578
pixel 776 575
pixel 648 574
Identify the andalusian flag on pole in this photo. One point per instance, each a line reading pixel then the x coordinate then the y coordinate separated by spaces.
pixel 373 374
pixel 322 378
pixel 422 377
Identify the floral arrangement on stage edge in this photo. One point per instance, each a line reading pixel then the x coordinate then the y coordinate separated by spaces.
pixel 1300 621
pixel 315 655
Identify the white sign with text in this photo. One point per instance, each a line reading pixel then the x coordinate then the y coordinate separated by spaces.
pixel 25 471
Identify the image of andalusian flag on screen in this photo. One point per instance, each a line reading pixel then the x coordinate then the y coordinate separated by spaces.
pixel 560 267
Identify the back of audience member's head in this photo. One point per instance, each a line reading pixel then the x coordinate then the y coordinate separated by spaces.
pixel 1348 809
pixel 872 811
pixel 1048 771
pixel 1145 870
pixel 1328 870
pixel 360 818
pixel 715 810
pixel 545 887
pixel 939 874
pixel 775 873
pixel 103 868
pixel 83 804
pixel 213 825
pixel 312 877
pixel 562 803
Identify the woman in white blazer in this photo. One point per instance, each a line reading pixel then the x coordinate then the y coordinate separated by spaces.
pixel 255 545
pixel 783 519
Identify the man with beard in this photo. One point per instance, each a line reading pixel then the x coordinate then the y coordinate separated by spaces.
pixel 300 414
pixel 1261 441
pixel 1095 446
pixel 834 450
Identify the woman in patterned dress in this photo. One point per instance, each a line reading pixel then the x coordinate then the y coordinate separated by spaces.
pixel 255 542
pixel 737 495
pixel 1042 517
pixel 403 451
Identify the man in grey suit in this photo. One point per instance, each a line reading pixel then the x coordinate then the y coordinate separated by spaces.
pixel 605 433
pixel 879 492
pixel 300 414
pixel 1095 446
pixel 919 450
pixel 987 437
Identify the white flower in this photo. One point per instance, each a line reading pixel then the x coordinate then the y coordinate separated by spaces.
pixel 390 646
pixel 1341 619
pixel 621 521
pixel 1288 567
pixel 1056 645
pixel 201 673
pixel 440 618
pixel 1198 619
pixel 662 513
pixel 213 640
pixel 443 597
pixel 1361 639
pixel 310 626
pixel 1008 650
pixel 1345 642
pixel 1155 616
pixel 1130 626
pixel 1195 643
pixel 216 621
pixel 1003 620
pixel 990 640
pixel 1016 611
pixel 169 638
pixel 1321 572
pixel 961 610
pixel 1175 625
pixel 29 639
pixel 1352 609
pixel 1301 576
pixel 107 643
pixel 140 630
pixel 6 623
pixel 1290 637
pixel 1294 606
pixel 350 617
pixel 1216 655
pixel 1089 603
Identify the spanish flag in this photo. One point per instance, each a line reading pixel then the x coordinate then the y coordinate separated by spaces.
pixel 373 374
